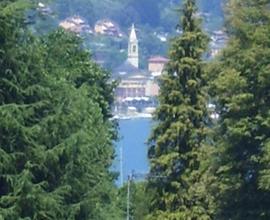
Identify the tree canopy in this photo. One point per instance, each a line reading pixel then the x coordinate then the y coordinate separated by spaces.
pixel 56 137
pixel 240 86
pixel 176 145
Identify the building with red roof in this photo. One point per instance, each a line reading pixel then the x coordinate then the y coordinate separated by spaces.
pixel 156 65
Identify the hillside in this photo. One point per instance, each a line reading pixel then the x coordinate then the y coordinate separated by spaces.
pixel 156 14
pixel 155 22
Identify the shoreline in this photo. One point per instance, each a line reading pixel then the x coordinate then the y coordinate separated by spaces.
pixel 133 116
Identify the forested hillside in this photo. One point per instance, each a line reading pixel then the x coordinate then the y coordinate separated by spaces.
pixel 157 14
pixel 153 19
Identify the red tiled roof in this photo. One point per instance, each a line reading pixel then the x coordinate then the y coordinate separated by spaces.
pixel 158 59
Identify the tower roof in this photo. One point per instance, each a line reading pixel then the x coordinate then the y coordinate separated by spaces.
pixel 133 36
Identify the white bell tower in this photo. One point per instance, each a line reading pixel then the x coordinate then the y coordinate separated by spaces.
pixel 133 49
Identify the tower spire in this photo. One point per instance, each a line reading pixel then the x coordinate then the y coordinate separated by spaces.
pixel 133 48
pixel 133 36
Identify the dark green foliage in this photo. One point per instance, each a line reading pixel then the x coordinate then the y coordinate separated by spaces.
pixel 55 133
pixel 75 65
pixel 176 146
pixel 241 88
pixel 141 200
pixel 151 7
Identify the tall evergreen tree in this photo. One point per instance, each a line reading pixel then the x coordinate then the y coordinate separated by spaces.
pixel 241 88
pixel 55 133
pixel 92 194
pixel 176 146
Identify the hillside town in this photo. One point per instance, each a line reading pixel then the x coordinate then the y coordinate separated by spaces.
pixel 137 91
pixel 108 27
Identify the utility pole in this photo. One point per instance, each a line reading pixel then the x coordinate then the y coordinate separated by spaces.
pixel 121 166
pixel 128 196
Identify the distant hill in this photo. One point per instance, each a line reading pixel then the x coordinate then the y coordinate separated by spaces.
pixel 156 14
pixel 154 20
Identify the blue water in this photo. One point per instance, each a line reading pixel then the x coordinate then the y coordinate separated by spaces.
pixel 134 134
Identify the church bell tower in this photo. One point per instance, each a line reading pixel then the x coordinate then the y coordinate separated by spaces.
pixel 133 49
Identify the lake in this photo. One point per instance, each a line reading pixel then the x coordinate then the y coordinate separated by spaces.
pixel 132 149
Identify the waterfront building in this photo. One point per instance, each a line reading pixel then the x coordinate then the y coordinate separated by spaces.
pixel 138 88
pixel 133 81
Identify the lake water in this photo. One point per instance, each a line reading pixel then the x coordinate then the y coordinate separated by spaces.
pixel 131 149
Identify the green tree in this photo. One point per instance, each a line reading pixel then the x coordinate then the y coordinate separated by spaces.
pixel 66 59
pixel 55 134
pixel 22 103
pixel 176 149
pixel 240 86
pixel 139 200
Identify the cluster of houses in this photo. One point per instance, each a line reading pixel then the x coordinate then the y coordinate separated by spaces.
pixel 108 27
pixel 78 24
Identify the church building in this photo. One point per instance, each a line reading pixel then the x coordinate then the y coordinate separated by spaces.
pixel 137 88
pixel 133 79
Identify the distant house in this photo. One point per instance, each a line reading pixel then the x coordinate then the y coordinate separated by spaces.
pixel 43 9
pixel 156 65
pixel 107 27
pixel 76 24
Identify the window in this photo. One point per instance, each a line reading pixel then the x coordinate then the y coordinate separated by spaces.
pixel 134 49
